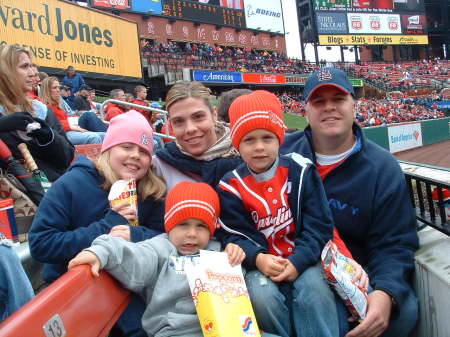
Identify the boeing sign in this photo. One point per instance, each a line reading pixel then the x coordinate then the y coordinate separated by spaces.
pixel 264 15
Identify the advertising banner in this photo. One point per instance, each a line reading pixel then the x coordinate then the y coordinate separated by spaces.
pixel 414 24
pixel 117 4
pixel 60 34
pixel 333 40
pixel 216 76
pixel 404 137
pixel 332 23
pixel 263 78
pixel 264 15
pixel 361 23
pixel 147 6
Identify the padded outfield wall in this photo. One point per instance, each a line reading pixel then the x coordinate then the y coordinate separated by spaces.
pixel 405 136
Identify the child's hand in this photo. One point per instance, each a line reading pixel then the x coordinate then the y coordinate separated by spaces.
pixel 121 231
pixel 360 278
pixel 270 265
pixel 289 274
pixel 125 210
pixel 235 254
pixel 86 257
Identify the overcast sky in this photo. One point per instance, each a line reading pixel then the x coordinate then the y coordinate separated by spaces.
pixel 293 38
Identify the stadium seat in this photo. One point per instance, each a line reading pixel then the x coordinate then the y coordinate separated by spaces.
pixel 78 303
pixel 91 151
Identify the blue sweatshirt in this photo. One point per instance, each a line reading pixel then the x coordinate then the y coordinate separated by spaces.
pixel 75 211
pixel 369 199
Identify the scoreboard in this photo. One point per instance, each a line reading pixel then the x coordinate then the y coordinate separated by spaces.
pixel 199 12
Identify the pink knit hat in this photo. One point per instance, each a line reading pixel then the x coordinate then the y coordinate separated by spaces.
pixel 259 110
pixel 129 127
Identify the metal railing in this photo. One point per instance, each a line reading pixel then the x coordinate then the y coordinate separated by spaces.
pixel 429 212
pixel 161 113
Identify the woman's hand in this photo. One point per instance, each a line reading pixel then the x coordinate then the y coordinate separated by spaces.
pixel 121 231
pixel 235 254
pixel 77 128
pixel 86 257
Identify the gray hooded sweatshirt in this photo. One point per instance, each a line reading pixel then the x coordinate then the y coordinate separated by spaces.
pixel 154 269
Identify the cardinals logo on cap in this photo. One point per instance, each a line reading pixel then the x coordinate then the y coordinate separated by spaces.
pixel 324 75
pixel 145 140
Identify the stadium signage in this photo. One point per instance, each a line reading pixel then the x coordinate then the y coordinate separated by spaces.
pixel 372 39
pixel 264 15
pixel 217 76
pixel 146 6
pixel 263 78
pixel 404 136
pixel 60 34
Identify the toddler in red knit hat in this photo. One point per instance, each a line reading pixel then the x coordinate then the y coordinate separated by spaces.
pixel 275 208
pixel 154 268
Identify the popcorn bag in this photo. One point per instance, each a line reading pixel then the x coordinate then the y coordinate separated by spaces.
pixel 339 274
pixel 220 296
pixel 7 219
pixel 124 190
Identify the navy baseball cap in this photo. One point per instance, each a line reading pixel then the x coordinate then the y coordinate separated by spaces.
pixel 328 77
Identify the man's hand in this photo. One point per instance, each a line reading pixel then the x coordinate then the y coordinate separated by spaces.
pixel 121 231
pixel 290 273
pixel 235 254
pixel 377 319
pixel 270 265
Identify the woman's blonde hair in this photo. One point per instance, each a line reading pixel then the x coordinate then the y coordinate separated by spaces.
pixel 46 93
pixel 150 185
pixel 12 97
pixel 186 89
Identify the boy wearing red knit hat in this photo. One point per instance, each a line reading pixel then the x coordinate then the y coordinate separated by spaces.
pixel 275 208
pixel 154 268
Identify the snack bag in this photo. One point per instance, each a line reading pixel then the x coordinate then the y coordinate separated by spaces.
pixel 7 219
pixel 221 297
pixel 124 190
pixel 339 274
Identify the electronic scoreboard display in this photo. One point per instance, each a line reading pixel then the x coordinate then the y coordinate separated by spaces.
pixel 203 13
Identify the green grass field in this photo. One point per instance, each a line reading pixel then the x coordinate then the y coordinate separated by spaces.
pixel 295 121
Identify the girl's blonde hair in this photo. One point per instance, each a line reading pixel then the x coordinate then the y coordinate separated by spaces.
pixel 150 185
pixel 186 89
pixel 45 92
pixel 12 97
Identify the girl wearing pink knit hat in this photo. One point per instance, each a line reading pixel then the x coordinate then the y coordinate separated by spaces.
pixel 76 209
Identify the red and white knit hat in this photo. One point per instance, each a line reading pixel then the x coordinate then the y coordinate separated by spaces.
pixel 259 110
pixel 191 200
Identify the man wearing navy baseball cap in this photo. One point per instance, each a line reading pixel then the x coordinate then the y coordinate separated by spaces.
pixel 369 200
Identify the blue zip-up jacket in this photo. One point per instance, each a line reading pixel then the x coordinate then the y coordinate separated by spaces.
pixel 310 211
pixel 74 83
pixel 369 199
pixel 210 172
pixel 75 211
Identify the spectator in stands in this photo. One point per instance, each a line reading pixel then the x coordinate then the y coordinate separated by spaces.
pixel 369 200
pixel 140 92
pixel 81 102
pixel 76 209
pixel 164 285
pixel 15 287
pixel 51 95
pixel 68 105
pixel 47 141
pixel 203 150
pixel 113 109
pixel 225 100
pixel 73 80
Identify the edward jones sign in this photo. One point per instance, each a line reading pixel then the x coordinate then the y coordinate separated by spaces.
pixel 60 34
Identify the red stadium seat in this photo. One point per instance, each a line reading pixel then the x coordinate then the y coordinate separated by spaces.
pixel 86 306
pixel 91 151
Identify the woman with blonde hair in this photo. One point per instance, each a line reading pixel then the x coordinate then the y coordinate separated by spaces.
pixel 45 137
pixel 76 209
pixel 202 150
pixel 51 95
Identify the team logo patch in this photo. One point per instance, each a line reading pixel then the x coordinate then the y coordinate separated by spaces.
pixel 324 75
pixel 145 139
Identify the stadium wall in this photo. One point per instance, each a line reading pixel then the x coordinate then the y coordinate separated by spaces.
pixel 405 136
